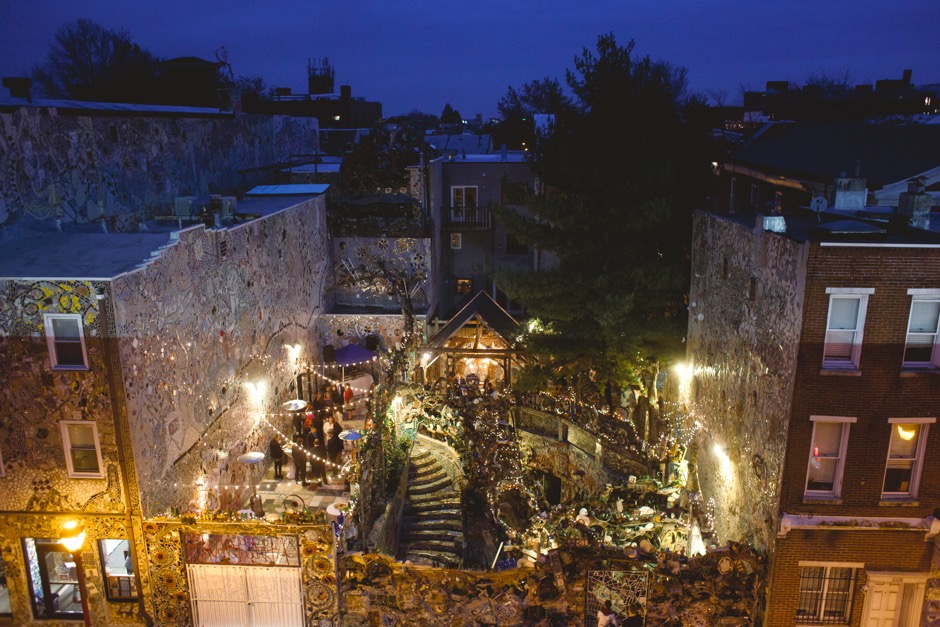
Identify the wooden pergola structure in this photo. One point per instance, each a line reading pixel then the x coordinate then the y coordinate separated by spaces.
pixel 478 338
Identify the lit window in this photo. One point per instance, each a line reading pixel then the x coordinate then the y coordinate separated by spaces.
pixel 463 197
pixel 922 348
pixel 53 579
pixel 843 346
pixel 5 608
pixel 826 595
pixel 905 457
pixel 66 341
pixel 827 456
pixel 82 453
pixel 120 584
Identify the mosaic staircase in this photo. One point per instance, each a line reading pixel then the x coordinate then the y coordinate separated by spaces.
pixel 432 526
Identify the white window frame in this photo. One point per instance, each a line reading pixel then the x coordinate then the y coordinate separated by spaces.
pixel 836 491
pixel 860 294
pixel 2 467
pixel 49 330
pixel 917 462
pixel 67 447
pixel 824 591
pixel 463 188
pixel 920 295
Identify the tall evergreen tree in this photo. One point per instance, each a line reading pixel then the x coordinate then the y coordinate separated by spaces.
pixel 621 172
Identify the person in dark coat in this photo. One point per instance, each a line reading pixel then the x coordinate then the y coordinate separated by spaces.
pixel 318 466
pixel 335 446
pixel 277 456
pixel 299 456
pixel 318 424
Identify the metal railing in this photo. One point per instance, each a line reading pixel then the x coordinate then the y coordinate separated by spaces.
pixel 466 218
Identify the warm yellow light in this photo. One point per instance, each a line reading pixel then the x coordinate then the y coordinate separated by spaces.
pixel 74 537
pixel 906 434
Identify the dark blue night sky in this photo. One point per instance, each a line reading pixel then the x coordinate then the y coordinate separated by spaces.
pixel 419 55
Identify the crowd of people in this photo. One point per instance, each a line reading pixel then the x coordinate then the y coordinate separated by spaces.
pixel 315 442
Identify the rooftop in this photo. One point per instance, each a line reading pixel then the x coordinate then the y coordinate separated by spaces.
pixel 822 151
pixel 39 250
pixel 514 156
pixel 868 226
pixel 7 101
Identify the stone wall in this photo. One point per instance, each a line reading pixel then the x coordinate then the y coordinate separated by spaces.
pixel 81 168
pixel 196 329
pixel 745 309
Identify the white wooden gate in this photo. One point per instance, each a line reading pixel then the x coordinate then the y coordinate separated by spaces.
pixel 246 596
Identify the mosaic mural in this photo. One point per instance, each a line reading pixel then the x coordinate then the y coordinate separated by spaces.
pixel 357 259
pixel 195 329
pixel 173 605
pixel 82 168
pixel 15 527
pixel 341 329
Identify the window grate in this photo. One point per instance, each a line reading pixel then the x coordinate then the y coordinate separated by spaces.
pixel 826 596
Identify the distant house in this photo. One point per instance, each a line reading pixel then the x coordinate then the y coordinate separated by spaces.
pixel 468 242
pixel 787 165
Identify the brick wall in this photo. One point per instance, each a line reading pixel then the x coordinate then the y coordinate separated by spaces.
pixel 881 391
pixel 879 551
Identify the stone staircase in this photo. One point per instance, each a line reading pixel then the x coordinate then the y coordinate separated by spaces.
pixel 432 525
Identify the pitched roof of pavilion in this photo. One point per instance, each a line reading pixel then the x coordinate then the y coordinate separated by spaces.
pixel 483 309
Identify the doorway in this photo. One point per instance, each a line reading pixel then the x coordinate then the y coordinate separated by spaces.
pixel 53 578
pixel 894 599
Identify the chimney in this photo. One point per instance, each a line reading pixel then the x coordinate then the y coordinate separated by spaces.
pixel 850 192
pixel 18 86
pixel 914 204
pixel 503 153
pixel 906 78
pixel 345 92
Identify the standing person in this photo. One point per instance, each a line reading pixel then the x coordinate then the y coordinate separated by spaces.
pixel 318 423
pixel 299 456
pixel 335 446
pixel 277 456
pixel 319 465
pixel 348 395
pixel 606 616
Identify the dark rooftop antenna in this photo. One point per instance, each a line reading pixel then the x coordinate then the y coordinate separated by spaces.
pixel 320 76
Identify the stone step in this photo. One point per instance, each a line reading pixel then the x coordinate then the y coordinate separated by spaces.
pixel 434 522
pixel 442 496
pixel 448 510
pixel 437 485
pixel 435 558
pixel 432 475
pixel 443 546
pixel 442 535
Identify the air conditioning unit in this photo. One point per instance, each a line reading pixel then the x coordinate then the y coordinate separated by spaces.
pixel 184 206
pixel 223 205
pixel 456 241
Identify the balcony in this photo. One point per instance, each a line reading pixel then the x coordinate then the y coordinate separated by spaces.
pixel 466 218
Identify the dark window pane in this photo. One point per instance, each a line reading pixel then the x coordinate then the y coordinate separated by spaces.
pixel 69 354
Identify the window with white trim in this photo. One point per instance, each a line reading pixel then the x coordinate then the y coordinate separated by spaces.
pixel 826 595
pixel 827 456
pixel 66 341
pixel 922 345
pixel 905 457
pixel 82 451
pixel 844 325
pixel 463 196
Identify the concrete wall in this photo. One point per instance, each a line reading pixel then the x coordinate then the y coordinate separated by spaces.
pixel 83 167
pixel 196 328
pixel 745 310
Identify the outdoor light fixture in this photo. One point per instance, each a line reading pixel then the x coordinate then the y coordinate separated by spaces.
pixel 906 434
pixel 256 390
pixel 74 537
pixel 72 540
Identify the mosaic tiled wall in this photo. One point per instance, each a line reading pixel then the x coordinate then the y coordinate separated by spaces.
pixel 410 257
pixel 172 600
pixel 341 329
pixel 81 168
pixel 35 399
pixel 196 329
pixel 744 327
pixel 14 528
